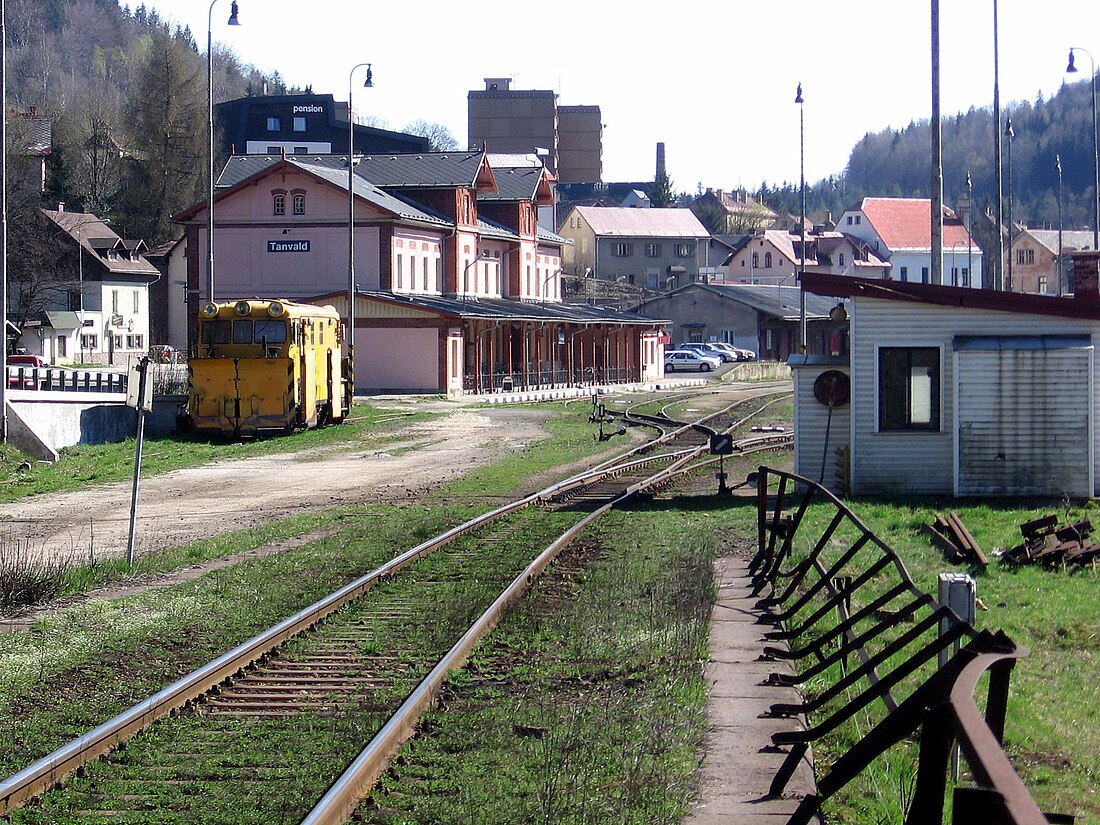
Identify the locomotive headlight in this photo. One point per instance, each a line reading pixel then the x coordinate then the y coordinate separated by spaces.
pixel 242 307
pixel 209 309
pixel 276 309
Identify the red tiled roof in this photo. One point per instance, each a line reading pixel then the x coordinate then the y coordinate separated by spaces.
pixel 906 223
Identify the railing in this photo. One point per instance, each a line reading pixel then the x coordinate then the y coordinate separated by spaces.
pixel 168 379
pixel 546 379
pixel 848 593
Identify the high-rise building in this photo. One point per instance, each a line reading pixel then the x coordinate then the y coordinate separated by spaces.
pixel 506 120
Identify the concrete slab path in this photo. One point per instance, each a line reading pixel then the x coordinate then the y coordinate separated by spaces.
pixel 739 760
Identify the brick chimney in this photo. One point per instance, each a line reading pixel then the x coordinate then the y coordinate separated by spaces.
pixel 1086 275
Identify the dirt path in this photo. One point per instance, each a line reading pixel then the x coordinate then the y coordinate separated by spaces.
pixel 192 504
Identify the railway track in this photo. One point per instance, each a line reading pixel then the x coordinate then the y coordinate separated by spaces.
pixel 345 670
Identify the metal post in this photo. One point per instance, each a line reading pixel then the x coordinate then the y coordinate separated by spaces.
pixel 801 223
pixel 1095 148
pixel 969 227
pixel 210 123
pixel 1058 268
pixel 141 406
pixel 367 84
pixel 3 230
pixel 1009 135
pixel 998 268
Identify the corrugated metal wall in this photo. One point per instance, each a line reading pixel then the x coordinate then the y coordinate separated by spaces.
pixel 1023 422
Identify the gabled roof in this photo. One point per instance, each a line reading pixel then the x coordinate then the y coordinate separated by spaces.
pixel 613 221
pixel 97 238
pixel 428 170
pixel 520 183
pixel 841 286
pixel 906 224
pixel 783 302
pixel 1072 239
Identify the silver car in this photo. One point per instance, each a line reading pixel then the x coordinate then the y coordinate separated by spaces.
pixel 687 360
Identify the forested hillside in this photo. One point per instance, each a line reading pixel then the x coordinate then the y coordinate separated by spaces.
pixel 897 162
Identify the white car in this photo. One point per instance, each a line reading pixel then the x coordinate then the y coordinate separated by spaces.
pixel 685 360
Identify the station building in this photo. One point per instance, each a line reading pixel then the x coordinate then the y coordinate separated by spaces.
pixel 458 288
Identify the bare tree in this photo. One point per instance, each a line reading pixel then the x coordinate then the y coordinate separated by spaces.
pixel 439 136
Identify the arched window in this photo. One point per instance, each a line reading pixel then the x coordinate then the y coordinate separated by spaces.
pixel 299 204
pixel 755 260
pixel 767 260
pixel 278 204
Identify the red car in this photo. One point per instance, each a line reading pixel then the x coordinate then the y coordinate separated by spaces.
pixel 21 371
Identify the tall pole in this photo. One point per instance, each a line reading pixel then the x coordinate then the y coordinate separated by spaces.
pixel 936 274
pixel 210 146
pixel 1009 134
pixel 3 230
pixel 969 235
pixel 1058 268
pixel 351 226
pixel 801 222
pixel 998 268
pixel 1095 148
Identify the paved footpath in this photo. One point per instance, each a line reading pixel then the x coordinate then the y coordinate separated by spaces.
pixel 739 761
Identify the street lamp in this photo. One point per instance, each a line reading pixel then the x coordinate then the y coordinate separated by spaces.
pixel 801 223
pixel 1058 267
pixel 367 84
pixel 233 21
pixel 1009 134
pixel 1095 148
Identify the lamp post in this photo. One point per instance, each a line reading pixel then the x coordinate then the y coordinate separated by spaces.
pixel 969 234
pixel 1009 135
pixel 233 21
pixel 1095 148
pixel 801 223
pixel 1058 263
pixel 367 84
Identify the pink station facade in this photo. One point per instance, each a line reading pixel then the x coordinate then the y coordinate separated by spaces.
pixel 458 290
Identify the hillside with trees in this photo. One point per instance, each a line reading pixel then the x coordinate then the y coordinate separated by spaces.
pixel 898 162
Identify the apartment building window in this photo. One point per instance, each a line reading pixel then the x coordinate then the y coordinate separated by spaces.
pixel 89 342
pixel 904 273
pixel 859 219
pixel 135 342
pixel 299 204
pixel 273 150
pixel 849 220
pixel 1042 283
pixel 924 274
pixel 909 388
pixel 966 276
pixel 300 150
pixel 273 124
pixel 1019 256
pixel 1031 256
pixel 299 124
pixel 623 250
pixel 137 301
pixel 114 302
pixel 278 204
pixel 684 250
pixel 653 250
pixel 400 283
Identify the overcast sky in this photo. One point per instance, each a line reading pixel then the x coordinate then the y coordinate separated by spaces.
pixel 715 82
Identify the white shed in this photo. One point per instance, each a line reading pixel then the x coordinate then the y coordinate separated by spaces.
pixel 962 392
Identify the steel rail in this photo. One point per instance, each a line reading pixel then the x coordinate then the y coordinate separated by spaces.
pixel 348 791
pixel 53 768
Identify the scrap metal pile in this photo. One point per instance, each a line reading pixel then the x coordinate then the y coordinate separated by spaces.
pixel 950 535
pixel 1048 544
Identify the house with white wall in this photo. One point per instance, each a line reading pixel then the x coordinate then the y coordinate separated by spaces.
pixel 899 230
pixel 957 391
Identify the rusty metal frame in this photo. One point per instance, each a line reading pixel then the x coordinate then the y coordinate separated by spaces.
pixel 942 708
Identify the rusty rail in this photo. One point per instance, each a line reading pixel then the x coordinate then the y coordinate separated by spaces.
pixel 813 590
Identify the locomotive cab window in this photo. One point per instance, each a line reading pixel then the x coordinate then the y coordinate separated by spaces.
pixel 270 332
pixel 215 332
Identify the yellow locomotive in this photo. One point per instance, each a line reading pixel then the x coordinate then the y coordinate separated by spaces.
pixel 267 367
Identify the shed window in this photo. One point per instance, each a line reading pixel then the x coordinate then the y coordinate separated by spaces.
pixel 909 388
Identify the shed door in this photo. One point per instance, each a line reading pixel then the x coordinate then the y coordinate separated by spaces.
pixel 1024 422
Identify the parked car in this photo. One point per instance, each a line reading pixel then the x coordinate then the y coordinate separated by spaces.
pixel 22 371
pixel 684 360
pixel 710 350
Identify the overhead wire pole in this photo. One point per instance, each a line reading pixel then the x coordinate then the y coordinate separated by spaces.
pixel 233 21
pixel 3 228
pixel 369 83
pixel 801 223
pixel 1095 147
pixel 936 275
pixel 999 264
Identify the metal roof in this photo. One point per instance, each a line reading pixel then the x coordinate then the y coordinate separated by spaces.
pixel 777 301
pixel 505 309
pixel 642 223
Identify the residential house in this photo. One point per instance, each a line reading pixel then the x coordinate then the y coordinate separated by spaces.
pixel 957 391
pixel 457 287
pixel 651 248
pixel 772 256
pixel 734 212
pixel 31 137
pixel 763 318
pixel 1034 254
pixel 899 230
pixel 104 318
